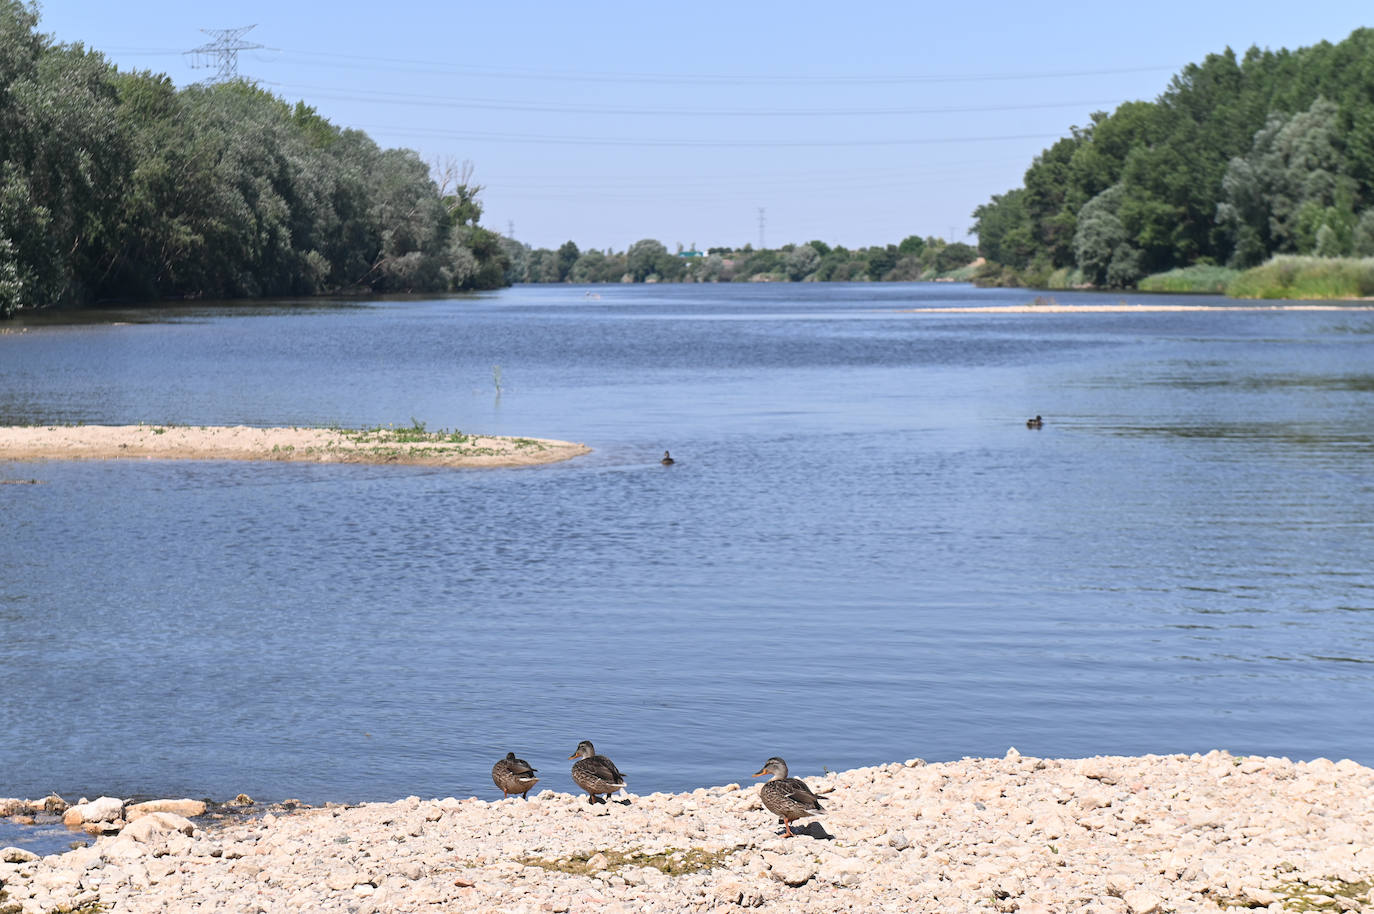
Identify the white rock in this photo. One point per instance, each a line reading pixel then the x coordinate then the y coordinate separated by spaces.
pixel 185 808
pixel 791 869
pixel 1099 769
pixel 101 809
pixel 155 826
pixel 1142 902
pixel 17 855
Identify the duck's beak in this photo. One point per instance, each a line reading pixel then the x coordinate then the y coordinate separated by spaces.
pixel 574 755
pixel 760 774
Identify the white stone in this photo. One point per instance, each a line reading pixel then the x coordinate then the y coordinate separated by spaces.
pixel 101 809
pixel 156 826
pixel 1142 902
pixel 184 808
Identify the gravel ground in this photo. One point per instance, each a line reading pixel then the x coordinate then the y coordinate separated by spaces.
pixel 1111 834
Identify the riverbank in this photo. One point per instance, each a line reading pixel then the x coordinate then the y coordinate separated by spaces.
pixel 1046 305
pixel 385 444
pixel 1143 835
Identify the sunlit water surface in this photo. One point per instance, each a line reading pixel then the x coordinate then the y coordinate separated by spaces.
pixel 861 555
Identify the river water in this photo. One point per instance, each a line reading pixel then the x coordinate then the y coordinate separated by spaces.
pixel 861 555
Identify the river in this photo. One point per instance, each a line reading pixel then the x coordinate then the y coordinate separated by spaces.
pixel 862 553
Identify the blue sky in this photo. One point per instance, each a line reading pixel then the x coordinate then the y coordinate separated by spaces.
pixel 605 123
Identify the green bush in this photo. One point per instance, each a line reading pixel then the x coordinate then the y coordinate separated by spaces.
pixel 1307 278
pixel 1199 278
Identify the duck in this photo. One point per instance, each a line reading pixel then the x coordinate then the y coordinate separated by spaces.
pixel 1037 422
pixel 514 775
pixel 594 773
pixel 787 798
pixel 667 460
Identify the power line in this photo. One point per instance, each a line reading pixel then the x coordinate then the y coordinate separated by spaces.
pixel 703 144
pixel 441 101
pixel 410 65
pixel 223 52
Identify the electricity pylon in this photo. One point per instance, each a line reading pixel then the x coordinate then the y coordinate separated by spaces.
pixel 223 52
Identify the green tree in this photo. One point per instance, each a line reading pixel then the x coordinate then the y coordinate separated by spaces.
pixel 643 257
pixel 801 262
pixel 911 244
pixel 1003 228
pixel 1101 245
pixel 567 256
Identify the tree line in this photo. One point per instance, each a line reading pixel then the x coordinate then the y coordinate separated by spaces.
pixel 649 260
pixel 1239 159
pixel 117 185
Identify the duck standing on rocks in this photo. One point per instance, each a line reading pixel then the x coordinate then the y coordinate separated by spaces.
pixel 667 460
pixel 514 775
pixel 594 773
pixel 1037 422
pixel 787 798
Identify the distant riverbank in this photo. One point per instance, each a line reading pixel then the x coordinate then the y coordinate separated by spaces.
pixel 383 444
pixel 1284 277
pixel 1045 305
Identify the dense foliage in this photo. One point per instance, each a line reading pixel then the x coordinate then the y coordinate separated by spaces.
pixel 117 185
pixel 1238 160
pixel 650 261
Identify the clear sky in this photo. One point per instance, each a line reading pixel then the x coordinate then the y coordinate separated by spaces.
pixel 607 122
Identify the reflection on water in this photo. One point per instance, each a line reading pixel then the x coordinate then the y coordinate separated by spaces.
pixel 859 525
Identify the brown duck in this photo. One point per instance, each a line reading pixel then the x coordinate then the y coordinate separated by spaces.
pixel 514 775
pixel 787 798
pixel 594 773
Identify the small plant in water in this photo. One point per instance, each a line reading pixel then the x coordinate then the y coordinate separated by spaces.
pixel 496 377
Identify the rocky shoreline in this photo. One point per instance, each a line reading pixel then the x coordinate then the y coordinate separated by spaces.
pixel 1125 835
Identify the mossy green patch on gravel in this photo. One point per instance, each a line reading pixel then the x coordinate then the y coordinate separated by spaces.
pixel 1321 895
pixel 1325 895
pixel 670 861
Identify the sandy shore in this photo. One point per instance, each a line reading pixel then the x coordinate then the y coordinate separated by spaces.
pixel 315 445
pixel 1143 835
pixel 1056 308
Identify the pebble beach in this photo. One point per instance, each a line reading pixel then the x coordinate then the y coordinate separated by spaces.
pixel 1128 835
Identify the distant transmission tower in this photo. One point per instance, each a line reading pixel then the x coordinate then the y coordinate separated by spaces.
pixel 223 52
pixel 510 229
pixel 763 221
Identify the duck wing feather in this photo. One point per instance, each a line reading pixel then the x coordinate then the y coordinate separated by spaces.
pixel 790 798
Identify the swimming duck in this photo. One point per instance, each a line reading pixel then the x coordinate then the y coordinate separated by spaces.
pixel 514 775
pixel 667 460
pixel 595 774
pixel 787 798
pixel 1037 422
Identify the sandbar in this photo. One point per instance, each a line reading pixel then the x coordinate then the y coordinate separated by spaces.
pixel 382 445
